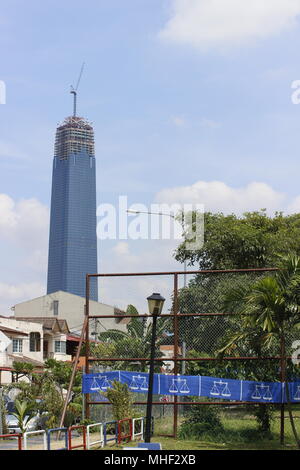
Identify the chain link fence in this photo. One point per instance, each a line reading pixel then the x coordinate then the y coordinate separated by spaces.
pixel 191 336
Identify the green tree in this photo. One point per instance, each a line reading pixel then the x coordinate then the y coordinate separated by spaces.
pixel 271 308
pixel 46 392
pixel 252 240
pixel 22 369
pixel 59 374
pixel 3 414
pixel 135 342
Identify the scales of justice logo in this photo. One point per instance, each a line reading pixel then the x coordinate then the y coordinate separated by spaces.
pixel 100 383
pixel 220 389
pixel 139 382
pixel 179 385
pixel 263 392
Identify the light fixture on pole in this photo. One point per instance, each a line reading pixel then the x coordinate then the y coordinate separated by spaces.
pixel 155 304
pixel 172 217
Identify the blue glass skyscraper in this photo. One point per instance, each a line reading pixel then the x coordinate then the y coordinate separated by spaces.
pixel 73 239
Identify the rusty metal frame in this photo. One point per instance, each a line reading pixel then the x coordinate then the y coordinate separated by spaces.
pixel 175 359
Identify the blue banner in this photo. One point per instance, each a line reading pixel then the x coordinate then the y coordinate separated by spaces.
pixel 195 386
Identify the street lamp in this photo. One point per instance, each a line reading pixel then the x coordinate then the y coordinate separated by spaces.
pixel 155 304
pixel 172 216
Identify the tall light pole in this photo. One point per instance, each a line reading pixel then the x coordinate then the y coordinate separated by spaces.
pixel 155 304
pixel 185 266
pixel 173 216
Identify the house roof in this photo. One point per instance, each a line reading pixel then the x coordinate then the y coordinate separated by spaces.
pixel 169 348
pixel 12 331
pixel 76 338
pixel 118 311
pixel 26 359
pixel 53 324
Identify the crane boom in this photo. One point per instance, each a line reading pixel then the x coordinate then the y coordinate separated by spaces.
pixel 74 90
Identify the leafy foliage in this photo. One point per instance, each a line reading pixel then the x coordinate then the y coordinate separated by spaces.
pixel 3 414
pixel 270 309
pixel 121 399
pixel 201 420
pixel 45 393
pixel 135 343
pixel 24 413
pixel 22 369
pixel 253 240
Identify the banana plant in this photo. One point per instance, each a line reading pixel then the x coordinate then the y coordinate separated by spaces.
pixel 23 414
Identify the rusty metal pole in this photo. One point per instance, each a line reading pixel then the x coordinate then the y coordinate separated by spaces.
pixel 175 323
pixel 282 379
pixel 87 342
pixel 75 364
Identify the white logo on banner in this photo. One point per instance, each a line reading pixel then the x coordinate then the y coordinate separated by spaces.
pixel 96 383
pixel 220 388
pixel 139 383
pixel 179 386
pixel 262 392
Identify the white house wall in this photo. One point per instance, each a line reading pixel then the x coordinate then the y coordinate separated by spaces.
pixel 24 327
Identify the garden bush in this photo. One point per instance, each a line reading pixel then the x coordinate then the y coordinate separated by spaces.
pixel 201 420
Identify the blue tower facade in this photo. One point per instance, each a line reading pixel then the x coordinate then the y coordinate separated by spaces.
pixel 73 239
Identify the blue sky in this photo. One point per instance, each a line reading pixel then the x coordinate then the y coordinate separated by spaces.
pixel 172 102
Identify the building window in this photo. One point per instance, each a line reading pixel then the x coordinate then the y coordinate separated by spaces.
pixel 34 342
pixel 17 345
pixel 60 347
pixel 55 307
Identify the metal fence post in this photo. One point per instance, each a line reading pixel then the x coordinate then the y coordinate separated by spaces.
pixel 2 414
pixel 87 343
pixel 175 312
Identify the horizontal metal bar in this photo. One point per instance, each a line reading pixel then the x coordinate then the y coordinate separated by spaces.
pixel 169 315
pixel 188 359
pixel 171 273
pixel 171 403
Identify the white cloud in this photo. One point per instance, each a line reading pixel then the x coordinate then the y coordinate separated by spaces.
pixel 294 206
pixel 24 232
pixel 8 150
pixel 178 121
pixel 24 222
pixel 21 291
pixel 12 294
pixel 214 23
pixel 137 257
pixel 122 248
pixel 217 196
pixel 183 122
pixel 209 123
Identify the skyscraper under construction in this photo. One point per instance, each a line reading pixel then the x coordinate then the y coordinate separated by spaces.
pixel 73 240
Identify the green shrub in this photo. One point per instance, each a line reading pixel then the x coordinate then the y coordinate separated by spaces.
pixel 201 420
pixel 121 399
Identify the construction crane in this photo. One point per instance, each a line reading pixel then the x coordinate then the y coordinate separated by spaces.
pixel 74 90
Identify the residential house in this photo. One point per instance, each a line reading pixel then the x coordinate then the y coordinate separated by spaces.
pixel 70 307
pixel 32 341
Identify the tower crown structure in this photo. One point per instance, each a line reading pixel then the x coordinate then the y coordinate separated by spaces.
pixel 74 135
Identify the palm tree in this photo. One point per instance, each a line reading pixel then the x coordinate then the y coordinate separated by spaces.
pixel 136 341
pixel 271 307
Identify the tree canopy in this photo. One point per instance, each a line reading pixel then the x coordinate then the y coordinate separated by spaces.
pixel 253 240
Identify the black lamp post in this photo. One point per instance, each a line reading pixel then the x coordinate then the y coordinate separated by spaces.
pixel 155 304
